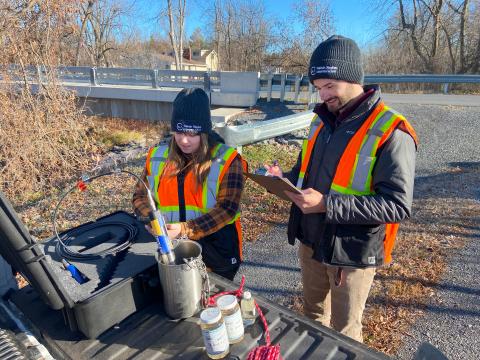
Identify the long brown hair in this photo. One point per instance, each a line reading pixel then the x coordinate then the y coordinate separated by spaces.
pixel 199 162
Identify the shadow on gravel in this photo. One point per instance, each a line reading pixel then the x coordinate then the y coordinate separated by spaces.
pixel 447 287
pixel 274 291
pixel 271 266
pixel 461 181
pixel 431 307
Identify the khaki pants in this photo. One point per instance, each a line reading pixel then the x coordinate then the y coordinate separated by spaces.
pixel 339 306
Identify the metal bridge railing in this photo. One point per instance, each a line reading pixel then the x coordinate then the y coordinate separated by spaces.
pixel 268 83
pixel 300 84
pixel 154 78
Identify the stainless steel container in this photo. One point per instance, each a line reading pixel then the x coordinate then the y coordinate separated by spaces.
pixel 181 282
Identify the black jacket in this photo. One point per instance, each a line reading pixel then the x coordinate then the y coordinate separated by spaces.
pixel 352 230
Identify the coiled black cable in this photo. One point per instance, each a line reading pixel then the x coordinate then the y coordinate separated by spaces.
pixel 65 240
pixel 62 246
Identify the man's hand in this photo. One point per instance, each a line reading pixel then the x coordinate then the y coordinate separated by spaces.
pixel 174 230
pixel 309 201
pixel 274 169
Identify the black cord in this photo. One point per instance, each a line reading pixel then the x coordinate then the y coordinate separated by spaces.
pixel 65 240
pixel 62 246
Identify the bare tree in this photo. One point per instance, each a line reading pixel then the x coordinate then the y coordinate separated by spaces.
pixel 444 34
pixel 86 11
pixel 101 25
pixel 176 22
pixel 315 20
pixel 100 31
pixel 422 25
pixel 241 34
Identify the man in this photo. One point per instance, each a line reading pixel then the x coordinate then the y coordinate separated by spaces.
pixel 356 172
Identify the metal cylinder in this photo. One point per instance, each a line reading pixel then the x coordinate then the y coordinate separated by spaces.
pixel 181 283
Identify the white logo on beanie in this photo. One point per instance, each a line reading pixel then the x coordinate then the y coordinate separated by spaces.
pixel 318 70
pixel 188 127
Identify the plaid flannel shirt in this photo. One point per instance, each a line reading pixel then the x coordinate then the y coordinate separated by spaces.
pixel 228 203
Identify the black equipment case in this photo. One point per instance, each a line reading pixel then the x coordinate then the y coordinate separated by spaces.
pixel 118 285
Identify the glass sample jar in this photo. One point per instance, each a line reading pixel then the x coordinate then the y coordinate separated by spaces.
pixel 214 333
pixel 232 316
pixel 249 311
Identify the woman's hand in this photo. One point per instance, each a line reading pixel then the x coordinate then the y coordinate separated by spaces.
pixel 174 230
pixel 149 229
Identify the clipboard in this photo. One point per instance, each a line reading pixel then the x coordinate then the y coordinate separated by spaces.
pixel 274 185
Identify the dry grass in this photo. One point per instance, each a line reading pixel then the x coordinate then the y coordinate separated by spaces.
pixel 44 135
pixel 44 138
pixel 104 195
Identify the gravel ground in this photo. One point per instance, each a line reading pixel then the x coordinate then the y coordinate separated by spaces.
pixel 271 267
pixel 453 322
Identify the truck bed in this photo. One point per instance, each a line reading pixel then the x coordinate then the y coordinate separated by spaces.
pixel 150 334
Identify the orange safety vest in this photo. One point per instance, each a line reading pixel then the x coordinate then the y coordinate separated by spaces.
pixel 353 175
pixel 198 200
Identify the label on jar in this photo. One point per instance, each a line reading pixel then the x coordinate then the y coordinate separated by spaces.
pixel 216 340
pixel 234 324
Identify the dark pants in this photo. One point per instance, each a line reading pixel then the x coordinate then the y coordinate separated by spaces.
pixel 220 251
pixel 228 274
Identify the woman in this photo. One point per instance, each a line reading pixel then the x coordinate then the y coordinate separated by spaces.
pixel 197 183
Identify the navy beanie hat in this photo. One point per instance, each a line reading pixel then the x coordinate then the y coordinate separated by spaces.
pixel 191 111
pixel 337 58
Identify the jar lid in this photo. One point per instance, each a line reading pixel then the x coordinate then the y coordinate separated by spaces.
pixel 227 302
pixel 210 315
pixel 247 295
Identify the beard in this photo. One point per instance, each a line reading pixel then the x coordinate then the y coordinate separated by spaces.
pixel 336 105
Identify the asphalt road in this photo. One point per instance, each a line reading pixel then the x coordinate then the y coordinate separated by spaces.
pixel 433 99
pixel 448 138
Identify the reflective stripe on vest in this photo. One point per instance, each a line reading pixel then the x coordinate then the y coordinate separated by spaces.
pixel 307 146
pixel 155 164
pixel 354 171
pixel 222 156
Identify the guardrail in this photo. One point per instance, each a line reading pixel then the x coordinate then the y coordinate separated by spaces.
pixel 236 136
pixel 296 84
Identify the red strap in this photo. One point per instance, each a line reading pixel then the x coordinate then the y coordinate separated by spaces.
pixel 238 293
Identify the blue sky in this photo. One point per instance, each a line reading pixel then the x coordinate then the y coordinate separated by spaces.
pixel 353 18
pixel 356 19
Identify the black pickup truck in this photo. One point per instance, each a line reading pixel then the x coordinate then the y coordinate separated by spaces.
pixel 122 317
